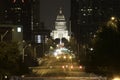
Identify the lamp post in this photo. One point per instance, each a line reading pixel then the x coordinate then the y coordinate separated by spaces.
pixel 35 50
pixel 2 36
pixel 23 50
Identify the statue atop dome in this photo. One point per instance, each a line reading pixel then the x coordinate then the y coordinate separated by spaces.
pixel 60 16
pixel 60 12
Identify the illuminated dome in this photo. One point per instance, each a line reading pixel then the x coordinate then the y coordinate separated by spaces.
pixel 60 23
pixel 60 16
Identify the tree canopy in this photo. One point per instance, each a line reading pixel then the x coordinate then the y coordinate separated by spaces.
pixel 106 52
pixel 10 59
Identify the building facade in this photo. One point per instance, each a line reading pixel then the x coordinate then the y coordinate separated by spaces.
pixel 85 18
pixel 11 33
pixel 16 12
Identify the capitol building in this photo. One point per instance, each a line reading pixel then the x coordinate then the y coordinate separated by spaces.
pixel 60 30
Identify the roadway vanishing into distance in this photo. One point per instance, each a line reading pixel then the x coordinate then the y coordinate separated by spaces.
pixel 62 67
pixel 54 66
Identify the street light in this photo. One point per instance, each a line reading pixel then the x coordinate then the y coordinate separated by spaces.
pixel 91 49
pixel 71 66
pixel 57 57
pixel 113 22
pixel 64 57
pixel 70 57
pixel 80 67
pixel 112 18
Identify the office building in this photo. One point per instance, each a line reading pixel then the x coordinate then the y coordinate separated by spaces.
pixel 88 15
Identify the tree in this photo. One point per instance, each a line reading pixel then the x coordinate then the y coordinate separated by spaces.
pixel 106 49
pixel 10 59
pixel 73 44
pixel 49 43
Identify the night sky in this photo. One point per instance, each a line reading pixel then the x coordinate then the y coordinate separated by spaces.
pixel 49 10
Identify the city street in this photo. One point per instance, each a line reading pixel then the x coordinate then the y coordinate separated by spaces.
pixel 56 67
pixel 59 39
pixel 61 68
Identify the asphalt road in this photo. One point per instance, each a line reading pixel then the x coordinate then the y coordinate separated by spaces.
pixel 53 67
pixel 62 68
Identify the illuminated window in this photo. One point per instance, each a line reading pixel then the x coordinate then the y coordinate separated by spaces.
pixel 19 29
pixel 38 38
pixel 81 9
pixel 84 14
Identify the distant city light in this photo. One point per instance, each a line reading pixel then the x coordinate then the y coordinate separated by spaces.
pixel 112 18
pixel 14 1
pixel 80 67
pixel 64 57
pixel 38 38
pixel 81 9
pixel 57 57
pixel 19 29
pixel 63 67
pixel 84 14
pixel 23 1
pixel 71 67
pixel 116 78
pixel 66 66
pixel 60 51
pixel 70 57
pixel 91 49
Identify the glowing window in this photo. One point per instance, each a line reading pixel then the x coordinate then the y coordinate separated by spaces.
pixel 38 38
pixel 19 29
